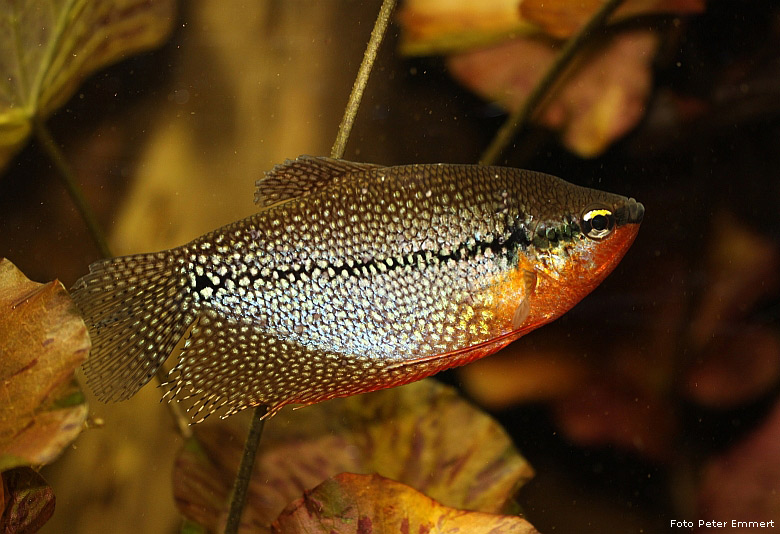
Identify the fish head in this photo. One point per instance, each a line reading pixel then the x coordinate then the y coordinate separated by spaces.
pixel 578 236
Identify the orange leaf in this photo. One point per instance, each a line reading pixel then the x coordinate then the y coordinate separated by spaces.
pixel 350 503
pixel 447 26
pixel 414 434
pixel 43 341
pixel 432 26
pixel 523 374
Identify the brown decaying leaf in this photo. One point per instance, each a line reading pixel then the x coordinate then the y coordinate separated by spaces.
pixel 421 434
pixel 47 49
pixel 444 26
pixel 620 402
pixel 363 504
pixel 742 364
pixel 602 96
pixel 519 374
pixel 742 484
pixel 435 26
pixel 736 360
pixel 43 341
pixel 603 413
pixel 743 266
pixel 29 501
pixel 562 18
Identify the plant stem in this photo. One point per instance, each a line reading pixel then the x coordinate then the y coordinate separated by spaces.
pixel 519 119
pixel 68 177
pixel 380 26
pixel 241 483
pixel 71 184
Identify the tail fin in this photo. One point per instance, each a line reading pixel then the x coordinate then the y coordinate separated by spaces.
pixel 135 310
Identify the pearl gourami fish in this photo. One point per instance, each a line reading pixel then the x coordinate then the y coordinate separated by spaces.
pixel 352 277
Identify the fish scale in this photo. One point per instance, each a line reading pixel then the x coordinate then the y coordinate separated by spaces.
pixel 352 277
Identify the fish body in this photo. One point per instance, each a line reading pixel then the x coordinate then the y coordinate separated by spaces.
pixel 352 277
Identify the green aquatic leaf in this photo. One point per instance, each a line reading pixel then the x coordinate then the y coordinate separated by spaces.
pixel 189 527
pixel 422 434
pixel 42 341
pixel 47 47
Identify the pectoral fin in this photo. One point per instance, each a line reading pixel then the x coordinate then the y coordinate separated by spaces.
pixel 523 309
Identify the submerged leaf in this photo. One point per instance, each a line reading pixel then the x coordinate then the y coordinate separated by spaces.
pixel 523 374
pixel 743 271
pixel 350 503
pixel 602 97
pixel 500 49
pixel 29 501
pixel 742 484
pixel 607 414
pixel 562 18
pixel 421 434
pixel 43 341
pixel 47 48
pixel 743 267
pixel 434 26
pixel 737 367
pixel 444 26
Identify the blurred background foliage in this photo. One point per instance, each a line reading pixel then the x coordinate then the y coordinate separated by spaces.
pixel 655 398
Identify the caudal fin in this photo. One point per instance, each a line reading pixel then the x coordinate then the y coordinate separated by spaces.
pixel 136 311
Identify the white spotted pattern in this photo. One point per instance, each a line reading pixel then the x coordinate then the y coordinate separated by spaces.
pixel 331 292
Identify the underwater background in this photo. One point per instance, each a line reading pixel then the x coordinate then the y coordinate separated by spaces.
pixel 654 399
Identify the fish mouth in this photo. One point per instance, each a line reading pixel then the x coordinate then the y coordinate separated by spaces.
pixel 631 212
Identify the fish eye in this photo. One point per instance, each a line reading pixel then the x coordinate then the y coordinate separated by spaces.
pixel 597 222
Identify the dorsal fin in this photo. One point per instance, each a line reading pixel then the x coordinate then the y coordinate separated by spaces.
pixel 299 177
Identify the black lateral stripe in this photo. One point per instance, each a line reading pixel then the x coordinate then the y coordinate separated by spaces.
pixel 202 282
pixel 517 239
